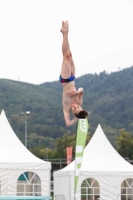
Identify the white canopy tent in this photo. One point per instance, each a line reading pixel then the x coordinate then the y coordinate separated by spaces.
pixel 100 162
pixel 15 159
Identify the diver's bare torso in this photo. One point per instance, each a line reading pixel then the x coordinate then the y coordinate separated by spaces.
pixel 68 96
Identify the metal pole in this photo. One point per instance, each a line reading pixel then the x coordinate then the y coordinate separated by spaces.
pixel 27 113
pixel 60 164
pixel 25 131
pixel 47 152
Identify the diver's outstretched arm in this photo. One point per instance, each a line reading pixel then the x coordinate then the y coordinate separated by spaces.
pixel 67 119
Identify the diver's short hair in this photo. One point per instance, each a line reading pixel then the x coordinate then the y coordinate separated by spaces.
pixel 82 114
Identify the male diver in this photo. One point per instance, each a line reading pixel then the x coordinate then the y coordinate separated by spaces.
pixel 71 98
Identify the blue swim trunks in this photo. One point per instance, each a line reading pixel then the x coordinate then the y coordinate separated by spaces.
pixel 62 80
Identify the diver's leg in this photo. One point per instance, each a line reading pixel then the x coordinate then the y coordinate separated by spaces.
pixel 66 68
pixel 72 66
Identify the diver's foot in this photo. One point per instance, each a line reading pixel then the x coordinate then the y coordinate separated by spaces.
pixel 65 27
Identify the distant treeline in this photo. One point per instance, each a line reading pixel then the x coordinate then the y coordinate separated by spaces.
pixel 108 97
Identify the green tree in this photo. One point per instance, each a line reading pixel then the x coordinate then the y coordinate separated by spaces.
pixel 66 141
pixel 124 143
pixel 42 152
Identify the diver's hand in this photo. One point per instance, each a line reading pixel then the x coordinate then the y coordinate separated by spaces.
pixel 74 93
pixel 81 90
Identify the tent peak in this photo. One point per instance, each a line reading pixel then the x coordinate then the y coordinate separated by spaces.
pixel 99 128
pixel 2 112
pixel 3 115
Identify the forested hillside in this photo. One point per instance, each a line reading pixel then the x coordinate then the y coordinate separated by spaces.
pixel 108 97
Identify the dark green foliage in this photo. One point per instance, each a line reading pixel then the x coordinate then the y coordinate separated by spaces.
pixel 60 147
pixel 66 141
pixel 124 143
pixel 46 122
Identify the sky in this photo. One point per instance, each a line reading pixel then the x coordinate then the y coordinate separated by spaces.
pixel 100 36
